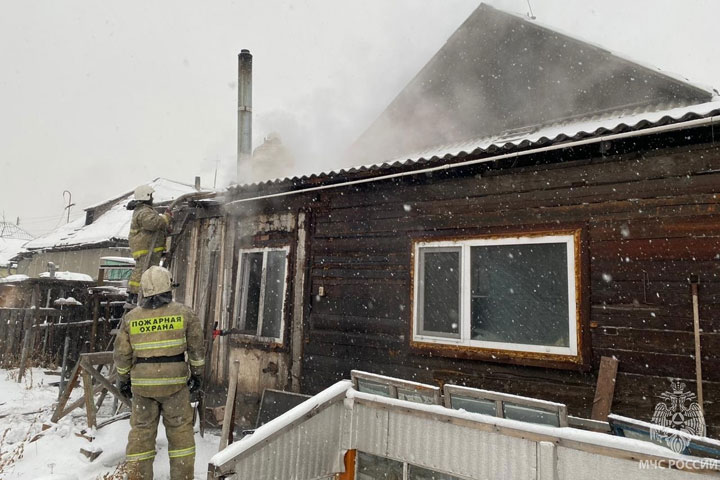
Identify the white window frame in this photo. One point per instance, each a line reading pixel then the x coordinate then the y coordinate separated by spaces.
pixel 465 293
pixel 240 296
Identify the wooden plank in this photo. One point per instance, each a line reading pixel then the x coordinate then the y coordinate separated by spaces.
pixel 65 396
pixel 89 401
pixel 96 315
pixel 10 346
pixel 98 358
pixel 698 354
pixel 106 383
pixel 227 426
pixel 602 403
pixel 79 402
pixel 44 311
pixel 28 332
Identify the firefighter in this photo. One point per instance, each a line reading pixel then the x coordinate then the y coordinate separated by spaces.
pixel 150 358
pixel 147 236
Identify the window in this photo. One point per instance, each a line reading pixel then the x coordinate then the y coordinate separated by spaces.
pixel 496 404
pixel 516 294
pixel 372 467
pixel 260 295
pixel 395 388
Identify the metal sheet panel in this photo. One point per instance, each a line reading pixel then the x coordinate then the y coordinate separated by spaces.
pixel 578 465
pixel 369 429
pixel 308 451
pixel 459 450
pixel 542 135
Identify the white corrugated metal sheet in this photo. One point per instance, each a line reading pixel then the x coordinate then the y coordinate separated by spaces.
pixel 458 450
pixel 309 442
pixel 308 451
pixel 532 136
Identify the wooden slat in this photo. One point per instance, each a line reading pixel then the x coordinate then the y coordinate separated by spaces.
pixel 105 382
pixel 602 403
pixel 59 410
pixel 88 396
pixel 98 358
pixel 228 418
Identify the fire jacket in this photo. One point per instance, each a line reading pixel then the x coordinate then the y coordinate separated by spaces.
pixel 147 225
pixel 151 346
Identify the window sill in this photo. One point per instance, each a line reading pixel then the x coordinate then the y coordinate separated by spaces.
pixel 534 359
pixel 241 340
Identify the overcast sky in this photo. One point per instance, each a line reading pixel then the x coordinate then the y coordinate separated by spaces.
pixel 98 97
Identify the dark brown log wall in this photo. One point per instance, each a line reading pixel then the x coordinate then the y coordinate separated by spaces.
pixel 649 221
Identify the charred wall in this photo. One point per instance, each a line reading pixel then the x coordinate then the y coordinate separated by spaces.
pixel 649 221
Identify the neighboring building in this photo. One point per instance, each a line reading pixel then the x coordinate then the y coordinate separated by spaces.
pixel 103 232
pixel 512 259
pixel 12 240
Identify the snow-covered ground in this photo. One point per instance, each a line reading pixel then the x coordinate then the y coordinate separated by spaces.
pixel 55 453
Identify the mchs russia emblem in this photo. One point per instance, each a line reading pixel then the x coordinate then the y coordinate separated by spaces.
pixel 680 415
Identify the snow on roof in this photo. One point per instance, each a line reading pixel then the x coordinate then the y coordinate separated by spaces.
pixel 113 225
pixel 74 276
pixel 9 248
pixel 533 136
pixel 14 278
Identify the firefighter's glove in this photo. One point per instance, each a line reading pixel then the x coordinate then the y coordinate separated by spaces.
pixel 194 383
pixel 125 387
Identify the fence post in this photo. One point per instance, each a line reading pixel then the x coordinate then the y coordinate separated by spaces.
pixel 28 323
pixel 63 372
pixel 96 313
pixel 4 320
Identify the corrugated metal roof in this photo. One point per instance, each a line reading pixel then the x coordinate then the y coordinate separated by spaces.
pixel 526 138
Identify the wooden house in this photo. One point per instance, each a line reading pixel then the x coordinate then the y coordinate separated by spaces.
pixel 103 231
pixel 560 205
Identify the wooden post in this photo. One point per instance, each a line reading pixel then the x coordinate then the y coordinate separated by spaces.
pixel 29 321
pixel 230 406
pixel 10 346
pixel 65 394
pixel 4 320
pixel 695 280
pixel 605 389
pixel 96 314
pixel 89 402
pixel 63 370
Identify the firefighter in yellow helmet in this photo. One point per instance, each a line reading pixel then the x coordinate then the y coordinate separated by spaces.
pixel 153 369
pixel 148 230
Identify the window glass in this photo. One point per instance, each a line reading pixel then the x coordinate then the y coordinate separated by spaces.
pixel 252 281
pixel 371 467
pixel 440 292
pixel 274 287
pixel 474 405
pixel 418 473
pixel 414 396
pixel 531 415
pixel 373 388
pixel 519 294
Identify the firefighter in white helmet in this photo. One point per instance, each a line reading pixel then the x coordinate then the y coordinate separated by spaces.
pixel 148 231
pixel 159 356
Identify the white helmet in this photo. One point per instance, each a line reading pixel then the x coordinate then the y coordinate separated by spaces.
pixel 155 280
pixel 144 193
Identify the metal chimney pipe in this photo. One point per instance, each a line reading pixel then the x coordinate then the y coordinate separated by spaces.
pixel 244 147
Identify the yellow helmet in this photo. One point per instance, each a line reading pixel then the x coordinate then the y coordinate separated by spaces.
pixel 155 280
